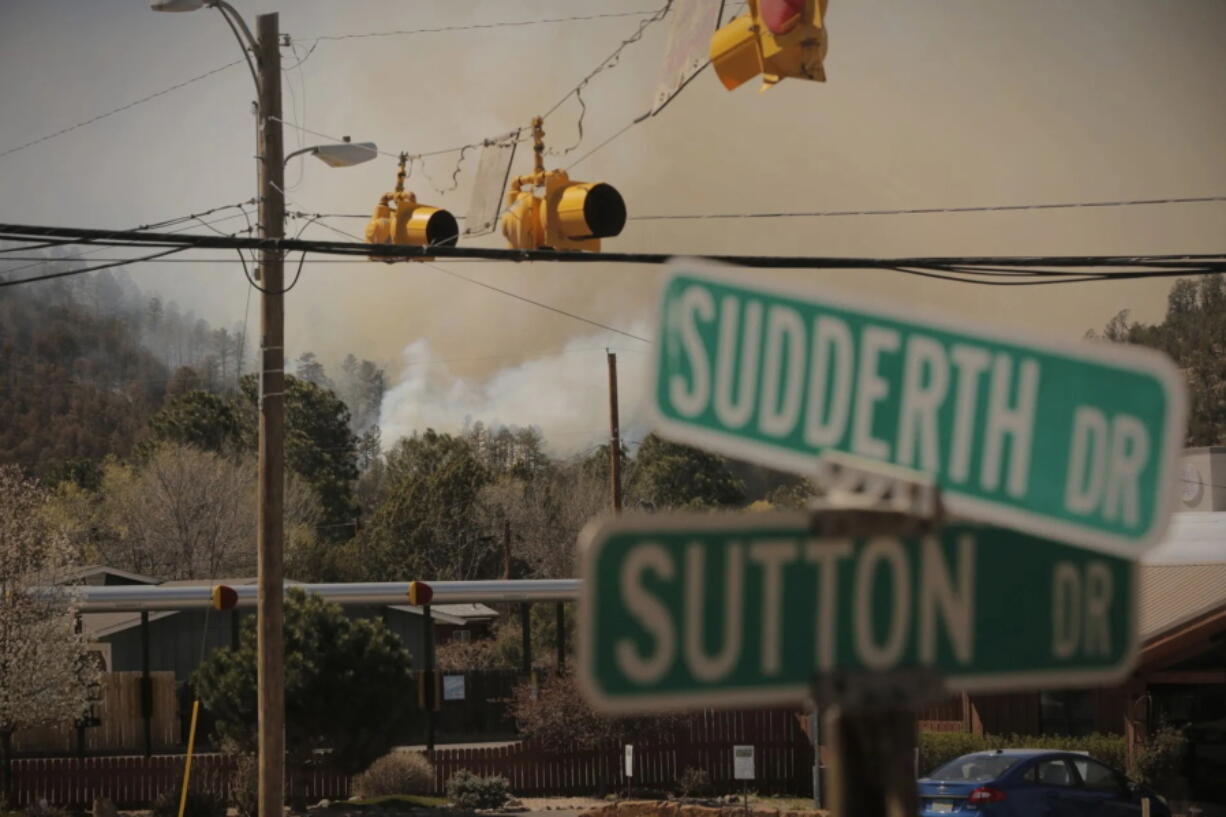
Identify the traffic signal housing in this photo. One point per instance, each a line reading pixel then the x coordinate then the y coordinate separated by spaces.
pixel 777 39
pixel 420 593
pixel 570 215
pixel 224 597
pixel 546 209
pixel 400 219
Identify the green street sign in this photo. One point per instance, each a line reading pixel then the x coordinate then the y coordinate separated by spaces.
pixel 691 610
pixel 1074 441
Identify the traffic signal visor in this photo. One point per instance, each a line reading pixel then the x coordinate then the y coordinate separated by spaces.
pixel 579 214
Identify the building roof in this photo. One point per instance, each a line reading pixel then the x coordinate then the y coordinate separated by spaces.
pixel 1174 594
pixel 80 574
pixel 101 625
pixel 1193 537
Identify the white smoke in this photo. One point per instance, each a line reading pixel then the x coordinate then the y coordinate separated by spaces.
pixel 565 395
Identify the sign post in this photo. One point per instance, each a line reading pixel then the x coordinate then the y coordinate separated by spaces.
pixel 742 769
pixel 1071 441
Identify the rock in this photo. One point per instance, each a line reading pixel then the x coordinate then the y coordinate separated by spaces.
pixel 325 803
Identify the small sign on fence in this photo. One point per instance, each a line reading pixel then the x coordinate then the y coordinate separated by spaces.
pixel 629 760
pixel 742 763
pixel 453 687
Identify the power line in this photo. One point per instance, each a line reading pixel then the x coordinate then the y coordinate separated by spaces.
pixel 120 109
pixel 1102 267
pixel 476 26
pixel 925 210
pixel 527 300
pixel 95 268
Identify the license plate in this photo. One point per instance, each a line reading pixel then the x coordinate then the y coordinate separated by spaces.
pixel 941 806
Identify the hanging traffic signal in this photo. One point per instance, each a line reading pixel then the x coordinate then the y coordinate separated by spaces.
pixel 411 223
pixel 777 39
pixel 567 215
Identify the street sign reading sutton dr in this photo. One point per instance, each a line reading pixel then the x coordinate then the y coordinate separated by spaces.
pixel 1074 441
pixel 689 610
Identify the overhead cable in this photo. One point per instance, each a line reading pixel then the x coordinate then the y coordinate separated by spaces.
pixel 965 268
pixel 120 109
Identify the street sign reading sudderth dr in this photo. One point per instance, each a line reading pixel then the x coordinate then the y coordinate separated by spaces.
pixel 689 610
pixel 1075 441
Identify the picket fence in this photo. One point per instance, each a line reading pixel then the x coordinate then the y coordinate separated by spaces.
pixel 783 758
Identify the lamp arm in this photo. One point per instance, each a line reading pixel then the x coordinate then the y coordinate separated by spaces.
pixel 313 149
pixel 236 23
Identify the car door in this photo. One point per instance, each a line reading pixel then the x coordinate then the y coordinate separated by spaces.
pixel 1058 784
pixel 1104 790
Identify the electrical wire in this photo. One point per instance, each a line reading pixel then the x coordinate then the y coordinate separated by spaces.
pixel 120 109
pixel 476 26
pixel 527 300
pixel 49 276
pixel 992 208
pixel 1055 268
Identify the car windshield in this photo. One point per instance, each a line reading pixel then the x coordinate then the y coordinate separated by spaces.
pixel 974 768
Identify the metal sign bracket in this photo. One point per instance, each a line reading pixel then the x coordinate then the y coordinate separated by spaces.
pixel 871 717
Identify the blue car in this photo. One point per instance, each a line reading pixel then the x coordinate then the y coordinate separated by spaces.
pixel 1033 783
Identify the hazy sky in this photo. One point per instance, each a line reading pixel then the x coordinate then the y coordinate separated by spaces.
pixel 928 104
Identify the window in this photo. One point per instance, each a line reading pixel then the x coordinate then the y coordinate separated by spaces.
pixel 1052 773
pixel 1067 712
pixel 974 768
pixel 1097 776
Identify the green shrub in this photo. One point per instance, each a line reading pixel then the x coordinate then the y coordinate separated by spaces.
pixel 245 785
pixel 1159 763
pixel 199 804
pixel 937 748
pixel 396 773
pixel 468 790
pixel 694 782
pixel 42 809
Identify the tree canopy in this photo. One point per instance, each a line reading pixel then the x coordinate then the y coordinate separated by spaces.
pixel 327 657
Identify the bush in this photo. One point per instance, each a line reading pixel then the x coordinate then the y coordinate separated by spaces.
pixel 937 748
pixel 245 785
pixel 468 790
pixel 694 782
pixel 1159 763
pixel 199 804
pixel 396 773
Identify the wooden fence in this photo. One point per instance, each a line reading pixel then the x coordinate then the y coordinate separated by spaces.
pixel 135 781
pixel 121 727
pixel 783 760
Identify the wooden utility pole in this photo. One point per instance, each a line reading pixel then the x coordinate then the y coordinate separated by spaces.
pixel 615 444
pixel 270 666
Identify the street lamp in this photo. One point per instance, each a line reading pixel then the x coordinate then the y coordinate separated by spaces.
pixel 341 154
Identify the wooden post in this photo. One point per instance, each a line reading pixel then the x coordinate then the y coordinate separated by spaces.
pixel 270 494
pixel 525 623
pixel 146 684
pixel 615 445
pixel 560 623
pixel 427 677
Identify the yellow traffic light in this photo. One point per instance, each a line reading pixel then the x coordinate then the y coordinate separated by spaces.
pixel 420 593
pixel 566 215
pixel 411 223
pixel 224 597
pixel 777 38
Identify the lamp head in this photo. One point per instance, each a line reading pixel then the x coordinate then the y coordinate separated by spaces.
pixel 346 154
pixel 177 5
